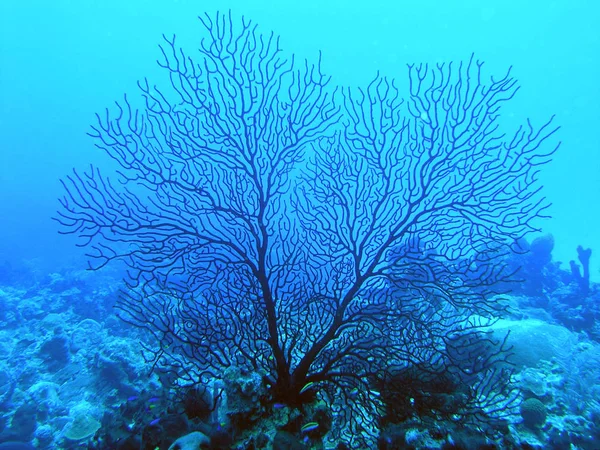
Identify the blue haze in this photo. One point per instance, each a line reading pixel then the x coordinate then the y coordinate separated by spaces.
pixel 62 61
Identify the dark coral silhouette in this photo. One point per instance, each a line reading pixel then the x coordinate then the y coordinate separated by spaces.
pixel 330 238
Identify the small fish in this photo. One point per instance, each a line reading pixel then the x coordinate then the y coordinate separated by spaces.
pixel 153 400
pixel 154 422
pixel 307 386
pixel 279 405
pixel 310 426
pixel 132 398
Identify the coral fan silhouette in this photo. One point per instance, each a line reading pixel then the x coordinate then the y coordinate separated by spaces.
pixel 342 241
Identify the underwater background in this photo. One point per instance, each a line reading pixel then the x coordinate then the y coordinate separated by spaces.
pixel 61 62
pixel 64 61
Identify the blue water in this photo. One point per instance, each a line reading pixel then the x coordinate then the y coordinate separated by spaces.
pixel 62 61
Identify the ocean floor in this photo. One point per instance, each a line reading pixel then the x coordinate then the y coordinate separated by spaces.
pixel 72 375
